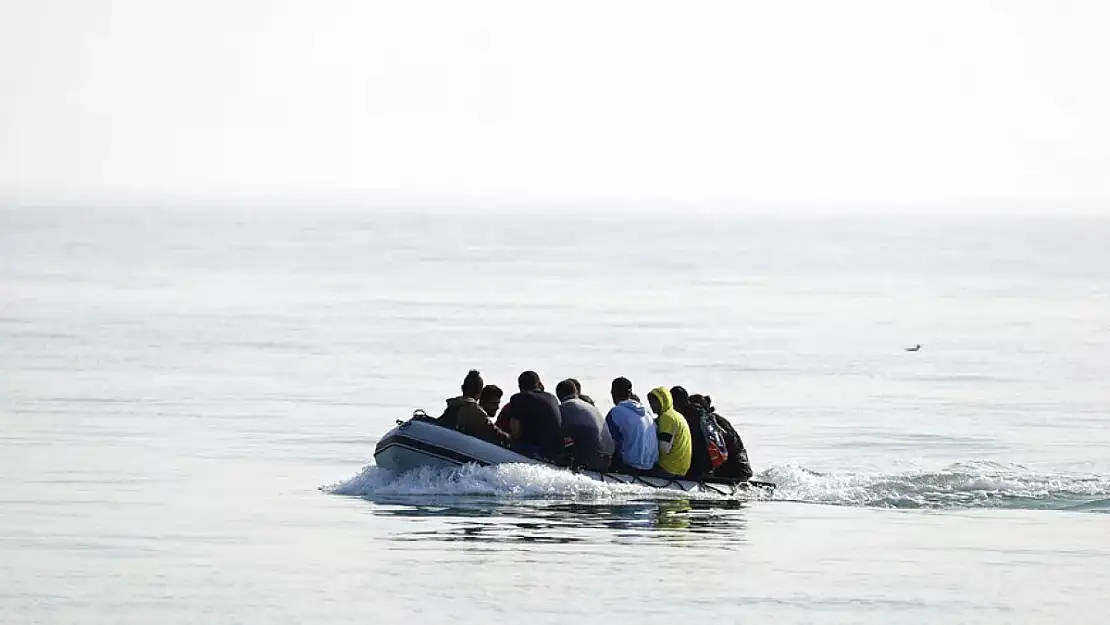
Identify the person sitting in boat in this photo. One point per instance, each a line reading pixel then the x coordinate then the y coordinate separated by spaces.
pixel 673 434
pixel 535 424
pixel 737 466
pixel 585 427
pixel 581 395
pixel 502 420
pixel 490 401
pixel 693 414
pixel 632 429
pixel 465 415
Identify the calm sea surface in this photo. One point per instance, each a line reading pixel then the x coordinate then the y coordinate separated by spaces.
pixel 189 401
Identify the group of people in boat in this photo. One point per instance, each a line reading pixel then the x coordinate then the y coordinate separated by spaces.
pixel 677 435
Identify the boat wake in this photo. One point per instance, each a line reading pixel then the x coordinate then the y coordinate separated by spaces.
pixel 516 481
pixel 961 486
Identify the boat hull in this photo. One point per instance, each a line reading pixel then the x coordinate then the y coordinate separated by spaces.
pixel 421 442
pixel 416 443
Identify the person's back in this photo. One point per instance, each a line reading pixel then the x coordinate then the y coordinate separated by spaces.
pixel 716 441
pixel 693 415
pixel 534 418
pixel 464 414
pixel 585 427
pixel 632 429
pixel 673 434
pixel 737 466
pixel 464 402
pixel 578 389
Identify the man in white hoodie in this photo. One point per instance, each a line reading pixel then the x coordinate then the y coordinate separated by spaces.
pixel 633 430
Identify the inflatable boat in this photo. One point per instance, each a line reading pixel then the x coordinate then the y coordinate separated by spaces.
pixel 423 442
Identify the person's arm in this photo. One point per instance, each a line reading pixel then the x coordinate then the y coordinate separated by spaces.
pixel 666 438
pixel 477 424
pixel 502 422
pixel 614 431
pixel 516 432
pixel 494 433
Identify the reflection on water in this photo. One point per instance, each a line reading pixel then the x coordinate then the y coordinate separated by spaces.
pixel 499 521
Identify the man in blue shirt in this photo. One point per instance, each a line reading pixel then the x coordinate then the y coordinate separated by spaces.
pixel 633 430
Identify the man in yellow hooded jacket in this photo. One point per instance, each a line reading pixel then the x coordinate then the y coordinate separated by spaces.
pixel 675 448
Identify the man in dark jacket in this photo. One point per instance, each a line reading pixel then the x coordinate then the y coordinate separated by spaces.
pixel 693 413
pixel 535 424
pixel 737 466
pixel 464 414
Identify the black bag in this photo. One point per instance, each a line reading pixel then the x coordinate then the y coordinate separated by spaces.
pixel 716 444
pixel 737 465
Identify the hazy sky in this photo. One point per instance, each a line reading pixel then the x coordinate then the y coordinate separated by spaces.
pixel 745 101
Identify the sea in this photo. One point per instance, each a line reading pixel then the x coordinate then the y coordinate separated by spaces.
pixel 190 399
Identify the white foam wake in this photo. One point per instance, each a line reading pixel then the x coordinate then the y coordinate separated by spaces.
pixel 962 485
pixel 518 481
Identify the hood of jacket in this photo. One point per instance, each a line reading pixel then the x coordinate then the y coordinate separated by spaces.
pixel 663 396
pixel 634 406
pixel 461 401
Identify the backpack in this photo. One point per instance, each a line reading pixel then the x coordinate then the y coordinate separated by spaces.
pixel 716 443
pixel 738 465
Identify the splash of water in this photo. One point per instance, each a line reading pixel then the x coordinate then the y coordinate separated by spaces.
pixel 517 481
pixel 962 485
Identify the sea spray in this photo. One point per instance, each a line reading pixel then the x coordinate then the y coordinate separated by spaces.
pixel 959 486
pixel 518 481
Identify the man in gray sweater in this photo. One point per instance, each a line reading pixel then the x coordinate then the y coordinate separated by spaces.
pixel 584 424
